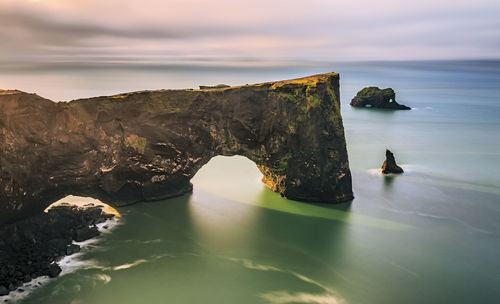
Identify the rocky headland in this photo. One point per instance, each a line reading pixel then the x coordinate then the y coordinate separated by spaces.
pixel 373 97
pixel 147 145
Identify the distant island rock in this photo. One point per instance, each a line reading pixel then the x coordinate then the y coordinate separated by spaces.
pixel 147 145
pixel 377 98
pixel 389 165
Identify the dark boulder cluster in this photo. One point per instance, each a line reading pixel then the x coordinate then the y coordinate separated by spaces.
pixel 373 97
pixel 31 247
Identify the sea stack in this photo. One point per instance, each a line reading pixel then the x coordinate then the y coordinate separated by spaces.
pixel 389 165
pixel 373 97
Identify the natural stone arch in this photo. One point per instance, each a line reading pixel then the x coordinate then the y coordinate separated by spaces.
pixel 148 145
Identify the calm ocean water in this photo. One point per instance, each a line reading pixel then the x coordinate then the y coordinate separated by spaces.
pixel 431 235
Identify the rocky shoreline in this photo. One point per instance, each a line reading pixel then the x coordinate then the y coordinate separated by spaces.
pixel 31 248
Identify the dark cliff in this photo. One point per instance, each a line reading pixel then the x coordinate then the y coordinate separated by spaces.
pixel 148 145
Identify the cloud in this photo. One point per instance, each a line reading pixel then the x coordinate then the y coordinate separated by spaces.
pixel 51 30
pixel 54 32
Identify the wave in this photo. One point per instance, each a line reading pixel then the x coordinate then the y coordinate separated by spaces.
pixel 328 296
pixel 424 108
pixel 438 217
pixel 284 297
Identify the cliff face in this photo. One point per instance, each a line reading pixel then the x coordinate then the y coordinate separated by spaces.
pixel 148 145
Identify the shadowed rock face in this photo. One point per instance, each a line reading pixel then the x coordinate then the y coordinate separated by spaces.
pixel 148 145
pixel 377 98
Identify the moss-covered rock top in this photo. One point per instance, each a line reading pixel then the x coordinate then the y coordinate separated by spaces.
pixel 218 86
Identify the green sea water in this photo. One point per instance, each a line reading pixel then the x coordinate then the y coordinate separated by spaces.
pixel 431 235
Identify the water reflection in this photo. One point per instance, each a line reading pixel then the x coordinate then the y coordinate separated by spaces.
pixel 388 181
pixel 269 238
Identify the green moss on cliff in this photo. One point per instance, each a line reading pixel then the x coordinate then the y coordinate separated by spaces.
pixel 158 101
pixel 287 96
pixel 313 101
pixel 283 163
pixel 308 81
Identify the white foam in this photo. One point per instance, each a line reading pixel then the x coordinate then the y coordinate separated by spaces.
pixel 129 265
pixel 73 262
pixel 328 296
pixel 152 241
pixel 103 277
pixel 285 297
pixel 16 295
pixel 377 171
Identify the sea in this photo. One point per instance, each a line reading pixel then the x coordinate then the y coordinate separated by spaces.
pixel 430 235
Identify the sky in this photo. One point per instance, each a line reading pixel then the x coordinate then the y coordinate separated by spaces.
pixel 257 30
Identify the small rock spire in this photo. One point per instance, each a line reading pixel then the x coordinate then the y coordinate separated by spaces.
pixel 389 165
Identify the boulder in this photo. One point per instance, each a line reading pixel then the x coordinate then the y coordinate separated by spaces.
pixel 85 233
pixel 4 290
pixel 72 248
pixel 54 270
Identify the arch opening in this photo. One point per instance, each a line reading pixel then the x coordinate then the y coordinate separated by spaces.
pixel 231 176
pixel 83 202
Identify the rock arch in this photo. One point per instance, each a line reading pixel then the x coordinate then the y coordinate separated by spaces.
pixel 148 145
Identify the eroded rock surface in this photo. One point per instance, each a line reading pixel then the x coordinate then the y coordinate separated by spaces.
pixel 373 97
pixel 147 145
